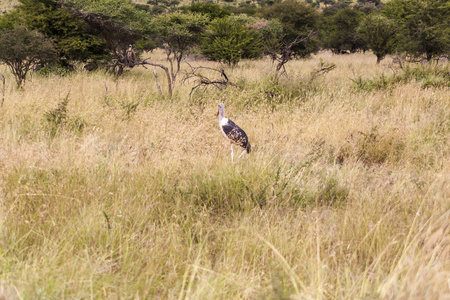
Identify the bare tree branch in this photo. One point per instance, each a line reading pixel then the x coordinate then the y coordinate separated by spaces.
pixel 145 62
pixel 156 79
pixel 286 52
pixel 323 69
pixel 4 88
pixel 201 80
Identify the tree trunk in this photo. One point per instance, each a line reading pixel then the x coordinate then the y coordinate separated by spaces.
pixel 166 70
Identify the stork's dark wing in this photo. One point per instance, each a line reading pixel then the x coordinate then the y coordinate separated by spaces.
pixel 235 134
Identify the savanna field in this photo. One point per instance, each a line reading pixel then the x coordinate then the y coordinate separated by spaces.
pixel 111 190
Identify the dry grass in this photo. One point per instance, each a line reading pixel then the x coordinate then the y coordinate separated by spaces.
pixel 6 5
pixel 133 196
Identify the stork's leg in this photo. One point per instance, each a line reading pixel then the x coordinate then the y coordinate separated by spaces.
pixel 245 151
pixel 232 152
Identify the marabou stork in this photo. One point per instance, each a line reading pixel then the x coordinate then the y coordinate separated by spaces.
pixel 232 132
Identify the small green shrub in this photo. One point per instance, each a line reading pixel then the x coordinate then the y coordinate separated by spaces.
pixel 130 108
pixel 427 76
pixel 76 124
pixel 428 72
pixel 56 118
pixel 332 194
pixel 380 83
pixel 435 82
pixel 376 149
pixel 285 90
pixel 372 148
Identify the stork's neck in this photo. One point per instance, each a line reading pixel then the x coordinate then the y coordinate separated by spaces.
pixel 221 113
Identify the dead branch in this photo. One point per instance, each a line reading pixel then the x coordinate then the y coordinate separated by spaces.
pixel 156 79
pixel 286 52
pixel 145 62
pixel 106 96
pixel 106 93
pixel 201 80
pixel 323 69
pixel 120 65
pixel 4 89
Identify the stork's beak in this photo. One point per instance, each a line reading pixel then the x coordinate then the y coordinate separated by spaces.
pixel 217 113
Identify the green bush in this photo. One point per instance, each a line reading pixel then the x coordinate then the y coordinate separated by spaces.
pixel 373 148
pixel 429 75
pixel 57 117
pixel 229 40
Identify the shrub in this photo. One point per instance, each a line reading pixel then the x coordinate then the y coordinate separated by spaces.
pixel 230 41
pixel 57 117
pixel 428 75
pixel 372 148
pixel 332 194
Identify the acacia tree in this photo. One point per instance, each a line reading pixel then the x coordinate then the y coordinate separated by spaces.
pixel 379 33
pixel 118 23
pixel 85 30
pixel 339 30
pixel 424 26
pixel 73 38
pixel 177 34
pixel 298 39
pixel 21 48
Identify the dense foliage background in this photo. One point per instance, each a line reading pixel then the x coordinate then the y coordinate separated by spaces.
pixel 94 31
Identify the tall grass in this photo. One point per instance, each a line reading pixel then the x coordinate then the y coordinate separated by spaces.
pixel 7 5
pixel 428 75
pixel 133 195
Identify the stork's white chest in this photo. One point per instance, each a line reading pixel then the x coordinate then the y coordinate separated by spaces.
pixel 223 122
